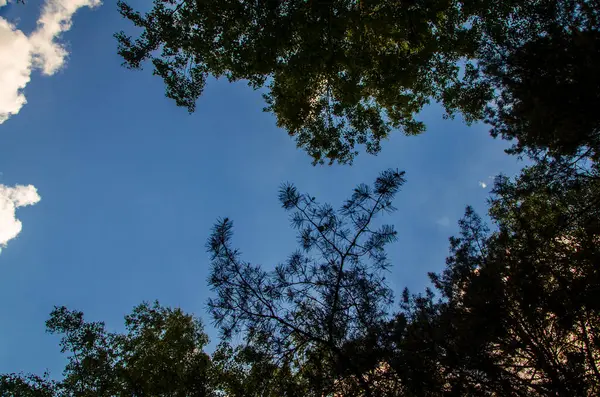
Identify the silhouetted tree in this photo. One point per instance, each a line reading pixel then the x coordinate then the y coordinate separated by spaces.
pixel 550 94
pixel 542 57
pixel 515 312
pixel 243 371
pixel 305 311
pixel 519 313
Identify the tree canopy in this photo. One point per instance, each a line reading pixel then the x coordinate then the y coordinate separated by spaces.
pixel 339 74
pixel 336 73
pixel 546 74
pixel 160 354
pixel 518 313
pixel 514 312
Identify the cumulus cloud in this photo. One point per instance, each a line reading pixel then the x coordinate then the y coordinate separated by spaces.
pixel 20 54
pixel 12 198
pixel 15 69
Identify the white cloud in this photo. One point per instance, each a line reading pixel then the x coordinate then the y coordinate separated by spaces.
pixel 15 69
pixel 482 184
pixel 12 198
pixel 443 221
pixel 21 54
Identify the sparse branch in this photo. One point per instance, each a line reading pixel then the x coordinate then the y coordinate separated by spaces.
pixel 308 295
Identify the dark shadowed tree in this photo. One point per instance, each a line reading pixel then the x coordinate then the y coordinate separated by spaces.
pixel 543 59
pixel 519 314
pixel 244 372
pixel 550 94
pixel 307 311
pixel 19 385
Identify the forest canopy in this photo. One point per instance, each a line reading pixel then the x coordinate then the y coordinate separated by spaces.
pixel 342 74
pixel 514 310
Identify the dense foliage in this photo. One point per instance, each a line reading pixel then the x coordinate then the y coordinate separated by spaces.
pixel 546 74
pixel 337 73
pixel 343 73
pixel 160 354
pixel 519 313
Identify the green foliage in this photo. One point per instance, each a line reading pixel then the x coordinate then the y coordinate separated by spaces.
pixel 244 372
pixel 343 73
pixel 26 386
pixel 160 354
pixel 517 310
pixel 337 73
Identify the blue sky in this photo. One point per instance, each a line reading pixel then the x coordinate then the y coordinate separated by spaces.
pixel 130 186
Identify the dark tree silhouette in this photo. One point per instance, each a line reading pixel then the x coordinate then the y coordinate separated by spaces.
pixel 515 312
pixel 325 295
pixel 519 314
pixel 542 59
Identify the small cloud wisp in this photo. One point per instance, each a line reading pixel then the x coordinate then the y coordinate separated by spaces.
pixel 12 198
pixel 443 221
